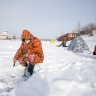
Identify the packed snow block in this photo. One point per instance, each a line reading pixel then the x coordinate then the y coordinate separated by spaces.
pixel 78 45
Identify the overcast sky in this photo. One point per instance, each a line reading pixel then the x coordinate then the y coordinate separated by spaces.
pixel 45 18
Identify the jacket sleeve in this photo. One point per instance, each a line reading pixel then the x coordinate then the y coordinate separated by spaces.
pixel 18 53
pixel 36 46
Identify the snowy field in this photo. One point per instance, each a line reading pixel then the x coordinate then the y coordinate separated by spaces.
pixel 62 73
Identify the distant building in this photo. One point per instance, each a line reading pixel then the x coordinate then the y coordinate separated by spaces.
pixel 94 32
pixel 4 35
pixel 69 36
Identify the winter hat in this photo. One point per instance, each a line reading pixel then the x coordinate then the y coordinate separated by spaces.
pixel 26 35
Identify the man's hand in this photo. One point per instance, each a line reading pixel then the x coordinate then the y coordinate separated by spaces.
pixel 26 55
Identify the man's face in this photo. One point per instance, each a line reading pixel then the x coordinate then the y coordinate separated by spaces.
pixel 27 40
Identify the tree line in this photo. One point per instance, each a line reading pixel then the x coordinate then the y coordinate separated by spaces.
pixel 86 29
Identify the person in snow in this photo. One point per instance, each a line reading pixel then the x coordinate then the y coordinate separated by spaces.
pixel 94 52
pixel 30 52
pixel 63 44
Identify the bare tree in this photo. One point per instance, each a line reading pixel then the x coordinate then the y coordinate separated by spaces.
pixel 78 28
pixel 86 29
pixel 91 26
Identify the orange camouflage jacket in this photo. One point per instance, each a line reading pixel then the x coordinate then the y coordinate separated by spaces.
pixel 33 47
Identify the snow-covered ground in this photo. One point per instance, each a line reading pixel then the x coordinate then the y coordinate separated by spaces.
pixel 62 73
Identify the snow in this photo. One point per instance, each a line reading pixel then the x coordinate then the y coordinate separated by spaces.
pixel 63 73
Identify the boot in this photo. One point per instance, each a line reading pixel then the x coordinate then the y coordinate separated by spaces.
pixel 30 68
pixel 26 64
pixel 26 73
